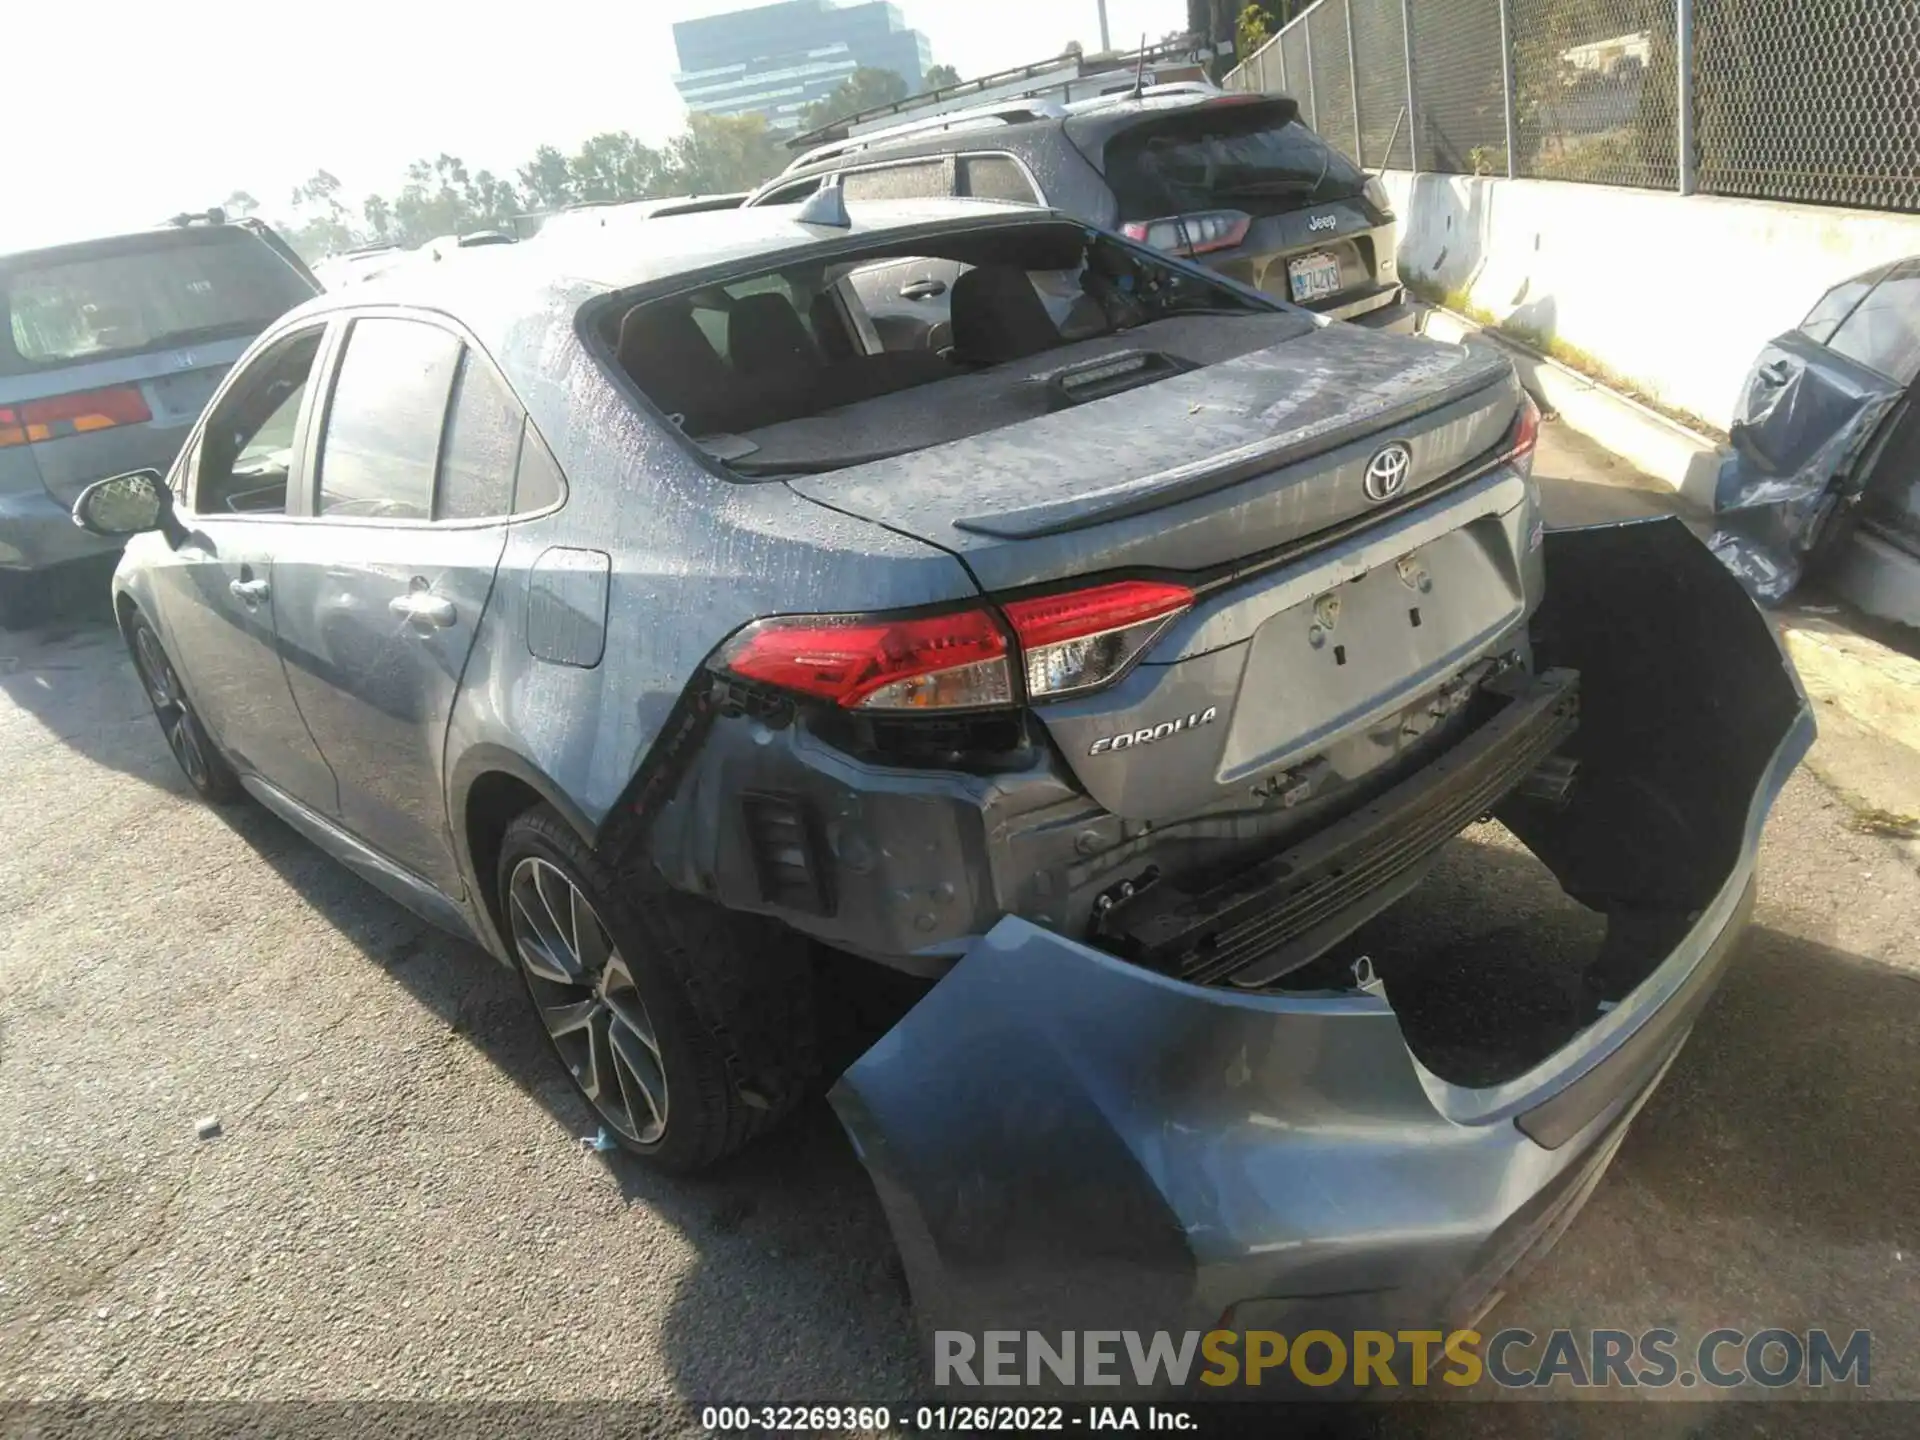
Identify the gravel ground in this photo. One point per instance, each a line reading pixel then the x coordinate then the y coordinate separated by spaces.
pixel 398 1203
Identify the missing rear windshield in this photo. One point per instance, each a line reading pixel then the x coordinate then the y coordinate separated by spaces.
pixel 847 357
pixel 139 293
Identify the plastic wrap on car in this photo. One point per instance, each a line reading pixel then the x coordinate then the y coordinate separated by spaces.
pixel 1804 427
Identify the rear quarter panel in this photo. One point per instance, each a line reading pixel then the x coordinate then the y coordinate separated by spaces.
pixel 689 558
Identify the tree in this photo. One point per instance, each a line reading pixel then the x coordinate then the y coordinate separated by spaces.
pixel 547 180
pixel 321 224
pixel 721 153
pixel 377 211
pixel 240 204
pixel 615 166
pixel 1075 49
pixel 1251 31
pixel 438 199
pixel 938 77
pixel 862 90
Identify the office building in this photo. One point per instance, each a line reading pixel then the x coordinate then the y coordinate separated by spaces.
pixel 776 60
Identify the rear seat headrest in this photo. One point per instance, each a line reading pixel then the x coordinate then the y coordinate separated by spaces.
pixel 998 315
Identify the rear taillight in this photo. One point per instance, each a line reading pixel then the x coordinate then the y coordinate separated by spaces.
pixel 1523 437
pixel 933 662
pixel 31 421
pixel 962 660
pixel 1088 638
pixel 1191 234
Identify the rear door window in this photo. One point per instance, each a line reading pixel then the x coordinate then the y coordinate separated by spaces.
pixel 483 446
pixel 1883 332
pixel 1255 158
pixel 1833 307
pixel 382 440
pixel 140 293
pixel 996 177
pixel 917 180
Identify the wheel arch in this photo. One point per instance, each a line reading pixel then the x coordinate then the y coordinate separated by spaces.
pixel 488 787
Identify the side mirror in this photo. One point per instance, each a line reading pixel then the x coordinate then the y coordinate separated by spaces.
pixel 125 505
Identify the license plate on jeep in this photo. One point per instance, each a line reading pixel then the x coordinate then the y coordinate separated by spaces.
pixel 1314 277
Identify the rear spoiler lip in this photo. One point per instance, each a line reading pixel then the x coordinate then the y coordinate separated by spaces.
pixel 1163 488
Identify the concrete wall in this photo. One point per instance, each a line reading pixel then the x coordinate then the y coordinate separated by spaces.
pixel 1673 293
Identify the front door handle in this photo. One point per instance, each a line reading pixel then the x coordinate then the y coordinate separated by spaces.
pixel 423 610
pixel 251 592
pixel 922 289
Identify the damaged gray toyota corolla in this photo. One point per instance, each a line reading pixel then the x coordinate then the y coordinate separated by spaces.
pixel 1118 656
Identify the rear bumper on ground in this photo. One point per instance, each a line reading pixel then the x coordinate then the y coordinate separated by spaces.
pixel 1064 1141
pixel 37 532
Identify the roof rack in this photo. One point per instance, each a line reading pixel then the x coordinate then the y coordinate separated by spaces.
pixel 1056 73
pixel 1005 112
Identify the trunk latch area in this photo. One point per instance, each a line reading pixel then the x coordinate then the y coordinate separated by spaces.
pixel 1255 926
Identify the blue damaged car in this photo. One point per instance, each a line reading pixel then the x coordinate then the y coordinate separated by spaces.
pixel 1119 661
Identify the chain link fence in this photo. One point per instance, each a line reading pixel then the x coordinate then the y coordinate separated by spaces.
pixel 1781 99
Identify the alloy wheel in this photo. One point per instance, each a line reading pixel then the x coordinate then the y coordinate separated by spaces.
pixel 170 706
pixel 586 997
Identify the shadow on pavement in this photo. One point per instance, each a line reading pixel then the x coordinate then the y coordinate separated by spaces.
pixel 70 671
pixel 795 1254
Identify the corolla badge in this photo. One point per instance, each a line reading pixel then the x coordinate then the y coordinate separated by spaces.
pixel 1150 733
pixel 1387 472
pixel 1322 222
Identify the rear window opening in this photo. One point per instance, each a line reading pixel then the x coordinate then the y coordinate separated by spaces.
pixel 873 353
pixel 139 293
pixel 1254 158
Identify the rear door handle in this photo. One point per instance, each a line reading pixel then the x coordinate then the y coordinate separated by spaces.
pixel 252 592
pixel 922 289
pixel 423 610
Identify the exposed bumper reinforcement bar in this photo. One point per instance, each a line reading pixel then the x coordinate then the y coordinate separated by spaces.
pixel 1279 914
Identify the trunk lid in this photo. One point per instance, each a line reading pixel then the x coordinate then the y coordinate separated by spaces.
pixel 1196 471
pixel 1196 476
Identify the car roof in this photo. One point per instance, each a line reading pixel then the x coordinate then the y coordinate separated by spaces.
pixel 1090 122
pixel 239 225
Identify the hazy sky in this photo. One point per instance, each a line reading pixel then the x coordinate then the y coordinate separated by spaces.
pixel 141 110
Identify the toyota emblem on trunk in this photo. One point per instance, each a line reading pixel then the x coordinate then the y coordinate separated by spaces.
pixel 1387 472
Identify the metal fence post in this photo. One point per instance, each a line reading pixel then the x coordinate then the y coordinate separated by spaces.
pixel 1353 82
pixel 1507 86
pixel 1683 62
pixel 1413 111
pixel 1313 99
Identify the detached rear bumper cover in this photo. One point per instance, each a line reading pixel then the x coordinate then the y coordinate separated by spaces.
pixel 1063 1140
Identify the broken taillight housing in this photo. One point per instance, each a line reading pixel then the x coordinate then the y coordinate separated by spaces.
pixel 1517 450
pixel 1065 644
pixel 1084 639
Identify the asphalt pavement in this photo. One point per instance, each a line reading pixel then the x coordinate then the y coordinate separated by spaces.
pixel 398 1202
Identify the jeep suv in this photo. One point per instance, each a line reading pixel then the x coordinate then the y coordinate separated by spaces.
pixel 1236 182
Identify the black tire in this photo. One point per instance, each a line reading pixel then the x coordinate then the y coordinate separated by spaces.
pixel 200 760
pixel 724 1019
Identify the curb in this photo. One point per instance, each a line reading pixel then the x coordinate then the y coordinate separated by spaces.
pixel 1876 686
pixel 1646 439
